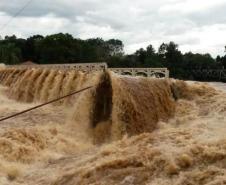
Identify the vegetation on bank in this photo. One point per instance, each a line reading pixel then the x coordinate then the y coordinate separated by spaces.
pixel 64 48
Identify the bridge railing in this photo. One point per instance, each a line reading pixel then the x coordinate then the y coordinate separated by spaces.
pixel 88 67
pixel 76 66
pixel 149 72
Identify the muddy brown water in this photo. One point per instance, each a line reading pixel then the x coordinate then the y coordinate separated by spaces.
pixel 125 131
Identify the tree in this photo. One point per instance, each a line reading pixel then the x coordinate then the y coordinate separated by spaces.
pixel 172 58
pixel 57 48
pixel 141 55
pixel 115 47
pixel 64 48
pixel 30 51
pixel 9 53
pixel 150 51
pixel 162 49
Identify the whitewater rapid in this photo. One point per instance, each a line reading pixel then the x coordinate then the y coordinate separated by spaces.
pixel 125 131
pixel 218 85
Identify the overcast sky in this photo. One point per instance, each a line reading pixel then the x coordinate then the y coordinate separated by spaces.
pixel 196 25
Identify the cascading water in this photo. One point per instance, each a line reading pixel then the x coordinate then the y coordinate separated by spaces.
pixel 124 130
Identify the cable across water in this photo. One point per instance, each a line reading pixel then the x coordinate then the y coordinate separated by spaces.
pixel 41 105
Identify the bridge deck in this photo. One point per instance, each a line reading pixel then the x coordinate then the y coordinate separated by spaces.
pixel 88 67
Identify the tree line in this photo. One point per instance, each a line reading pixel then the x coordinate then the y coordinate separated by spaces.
pixel 64 48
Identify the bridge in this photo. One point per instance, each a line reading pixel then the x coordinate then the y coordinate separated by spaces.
pixel 90 67
pixel 84 67
pixel 147 72
pixel 198 74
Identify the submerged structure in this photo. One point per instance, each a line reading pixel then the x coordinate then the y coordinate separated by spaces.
pixel 124 130
pixel 92 67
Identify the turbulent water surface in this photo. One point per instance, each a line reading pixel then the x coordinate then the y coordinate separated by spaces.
pixel 125 130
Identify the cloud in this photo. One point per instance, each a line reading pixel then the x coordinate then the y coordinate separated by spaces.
pixel 191 6
pixel 196 25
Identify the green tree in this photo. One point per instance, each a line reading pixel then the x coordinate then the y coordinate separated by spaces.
pixel 57 48
pixel 31 48
pixel 9 53
pixel 115 47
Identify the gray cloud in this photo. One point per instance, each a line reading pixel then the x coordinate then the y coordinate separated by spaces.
pixel 198 26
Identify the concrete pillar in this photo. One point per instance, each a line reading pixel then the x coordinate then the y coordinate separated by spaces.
pixel 133 72
pixel 167 73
